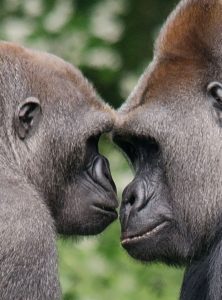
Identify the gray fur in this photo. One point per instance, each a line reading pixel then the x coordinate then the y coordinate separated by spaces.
pixel 41 186
pixel 171 105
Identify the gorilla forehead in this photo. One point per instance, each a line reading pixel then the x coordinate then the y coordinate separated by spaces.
pixel 65 94
pixel 37 66
pixel 200 38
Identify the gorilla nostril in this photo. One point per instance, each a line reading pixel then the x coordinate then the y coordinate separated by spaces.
pixel 132 200
pixel 130 196
pixel 101 173
pixel 136 196
pixel 106 170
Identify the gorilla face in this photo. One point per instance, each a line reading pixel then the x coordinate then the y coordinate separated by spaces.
pixel 146 213
pixel 56 122
pixel 170 129
pixel 171 210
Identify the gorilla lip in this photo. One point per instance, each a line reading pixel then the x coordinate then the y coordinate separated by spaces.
pixel 106 209
pixel 148 234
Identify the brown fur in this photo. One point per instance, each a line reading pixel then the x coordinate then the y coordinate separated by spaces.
pixel 188 43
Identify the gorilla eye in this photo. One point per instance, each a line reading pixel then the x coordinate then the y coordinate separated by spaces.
pixel 214 89
pixel 27 117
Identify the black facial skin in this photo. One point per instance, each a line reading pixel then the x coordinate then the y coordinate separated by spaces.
pixel 145 208
pixel 94 184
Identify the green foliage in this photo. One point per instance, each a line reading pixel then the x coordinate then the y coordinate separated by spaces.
pixel 98 269
pixel 112 42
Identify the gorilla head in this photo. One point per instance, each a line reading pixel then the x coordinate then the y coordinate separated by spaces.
pixel 170 129
pixel 51 120
pixel 53 178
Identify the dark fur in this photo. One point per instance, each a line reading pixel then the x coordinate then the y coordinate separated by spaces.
pixel 44 187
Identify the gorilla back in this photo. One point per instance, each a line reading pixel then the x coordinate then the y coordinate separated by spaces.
pixel 53 178
pixel 170 128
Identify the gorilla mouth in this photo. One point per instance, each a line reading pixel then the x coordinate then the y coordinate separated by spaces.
pixel 106 210
pixel 146 235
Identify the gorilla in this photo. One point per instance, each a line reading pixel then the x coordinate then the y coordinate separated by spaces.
pixel 53 179
pixel 170 130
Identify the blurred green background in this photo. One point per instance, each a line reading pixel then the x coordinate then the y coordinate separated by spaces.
pixel 111 41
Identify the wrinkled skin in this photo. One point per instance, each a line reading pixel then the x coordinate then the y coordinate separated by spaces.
pixel 170 129
pixel 53 179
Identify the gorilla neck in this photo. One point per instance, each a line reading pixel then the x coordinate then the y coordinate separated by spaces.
pixel 203 279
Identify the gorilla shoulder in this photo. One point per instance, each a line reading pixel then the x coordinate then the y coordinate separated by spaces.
pixel 52 173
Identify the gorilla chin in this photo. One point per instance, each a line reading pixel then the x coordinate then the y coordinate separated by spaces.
pixel 156 244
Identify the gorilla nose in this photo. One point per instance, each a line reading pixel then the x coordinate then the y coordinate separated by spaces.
pixel 135 195
pixel 101 173
pixel 135 198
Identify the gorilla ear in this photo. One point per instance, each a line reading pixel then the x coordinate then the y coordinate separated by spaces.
pixel 27 117
pixel 214 90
